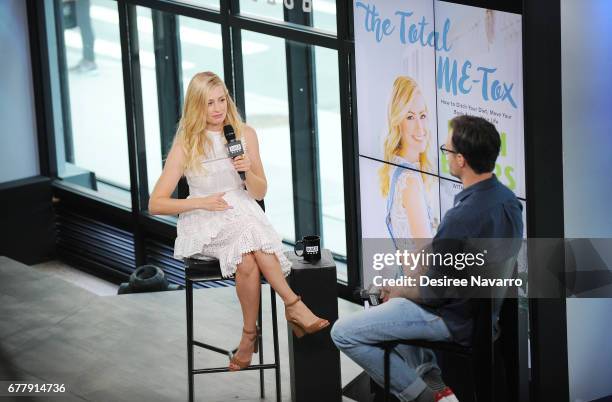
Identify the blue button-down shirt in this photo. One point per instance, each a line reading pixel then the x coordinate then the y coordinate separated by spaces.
pixel 487 209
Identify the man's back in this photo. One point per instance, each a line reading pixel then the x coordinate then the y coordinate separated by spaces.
pixel 485 210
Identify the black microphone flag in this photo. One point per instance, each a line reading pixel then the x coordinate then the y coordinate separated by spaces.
pixel 234 146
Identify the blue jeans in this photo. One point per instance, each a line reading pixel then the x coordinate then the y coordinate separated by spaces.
pixel 398 318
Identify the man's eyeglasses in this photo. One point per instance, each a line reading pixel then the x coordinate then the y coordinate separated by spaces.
pixel 447 151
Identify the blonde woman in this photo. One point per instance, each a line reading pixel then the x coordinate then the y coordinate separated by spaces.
pixel 409 151
pixel 221 218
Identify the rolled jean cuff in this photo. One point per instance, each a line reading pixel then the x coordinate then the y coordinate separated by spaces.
pixel 424 368
pixel 412 391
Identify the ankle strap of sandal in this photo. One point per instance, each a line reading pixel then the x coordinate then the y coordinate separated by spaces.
pixel 297 299
pixel 253 332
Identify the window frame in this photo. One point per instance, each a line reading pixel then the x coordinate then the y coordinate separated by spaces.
pixel 308 217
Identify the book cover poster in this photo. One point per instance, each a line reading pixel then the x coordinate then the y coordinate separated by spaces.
pixel 419 63
pixel 479 72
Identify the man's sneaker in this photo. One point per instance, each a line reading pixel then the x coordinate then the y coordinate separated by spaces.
pixel 446 395
pixel 84 67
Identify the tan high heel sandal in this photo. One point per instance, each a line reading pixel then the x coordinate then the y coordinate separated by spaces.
pixel 299 328
pixel 242 364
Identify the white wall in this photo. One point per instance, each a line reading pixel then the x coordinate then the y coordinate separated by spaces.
pixel 587 176
pixel 18 142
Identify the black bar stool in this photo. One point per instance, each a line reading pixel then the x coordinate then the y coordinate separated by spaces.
pixel 481 353
pixel 205 270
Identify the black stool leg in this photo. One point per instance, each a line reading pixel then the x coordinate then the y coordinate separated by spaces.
pixel 387 368
pixel 275 335
pixel 485 360
pixel 262 391
pixel 485 368
pixel 189 305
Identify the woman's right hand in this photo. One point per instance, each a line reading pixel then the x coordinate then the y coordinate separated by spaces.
pixel 214 202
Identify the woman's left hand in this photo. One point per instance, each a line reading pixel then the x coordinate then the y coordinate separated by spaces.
pixel 242 163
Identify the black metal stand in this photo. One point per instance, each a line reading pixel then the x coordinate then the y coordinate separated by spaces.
pixel 197 270
pixel 314 360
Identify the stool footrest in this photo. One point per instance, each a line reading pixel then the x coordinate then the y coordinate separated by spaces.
pixel 224 369
pixel 214 348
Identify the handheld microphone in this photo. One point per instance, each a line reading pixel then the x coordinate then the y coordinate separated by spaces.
pixel 234 146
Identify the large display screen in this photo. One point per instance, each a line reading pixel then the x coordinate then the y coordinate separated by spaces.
pixel 419 63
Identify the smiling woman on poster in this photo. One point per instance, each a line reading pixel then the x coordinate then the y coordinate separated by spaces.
pixel 408 147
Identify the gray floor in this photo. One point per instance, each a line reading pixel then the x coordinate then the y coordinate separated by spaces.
pixel 77 277
pixel 129 347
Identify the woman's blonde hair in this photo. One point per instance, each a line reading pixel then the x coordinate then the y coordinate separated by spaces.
pixel 404 88
pixel 191 130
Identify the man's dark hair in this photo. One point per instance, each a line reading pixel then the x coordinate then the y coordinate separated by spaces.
pixel 477 140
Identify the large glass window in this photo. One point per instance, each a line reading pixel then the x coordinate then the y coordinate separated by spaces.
pixel 287 90
pixel 149 95
pixel 329 136
pixel 322 13
pixel 267 111
pixel 94 108
pixel 263 8
pixel 201 48
pixel 268 102
pixel 204 3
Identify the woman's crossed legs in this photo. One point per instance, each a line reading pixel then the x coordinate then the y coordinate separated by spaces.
pixel 248 289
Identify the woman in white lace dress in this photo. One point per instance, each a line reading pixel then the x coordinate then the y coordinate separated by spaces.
pixel 221 218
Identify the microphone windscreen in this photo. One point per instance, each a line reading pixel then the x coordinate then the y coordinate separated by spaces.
pixel 228 130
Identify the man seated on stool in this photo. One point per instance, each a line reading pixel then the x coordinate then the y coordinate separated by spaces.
pixel 485 208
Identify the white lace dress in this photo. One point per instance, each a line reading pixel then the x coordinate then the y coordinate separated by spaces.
pixel 228 234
